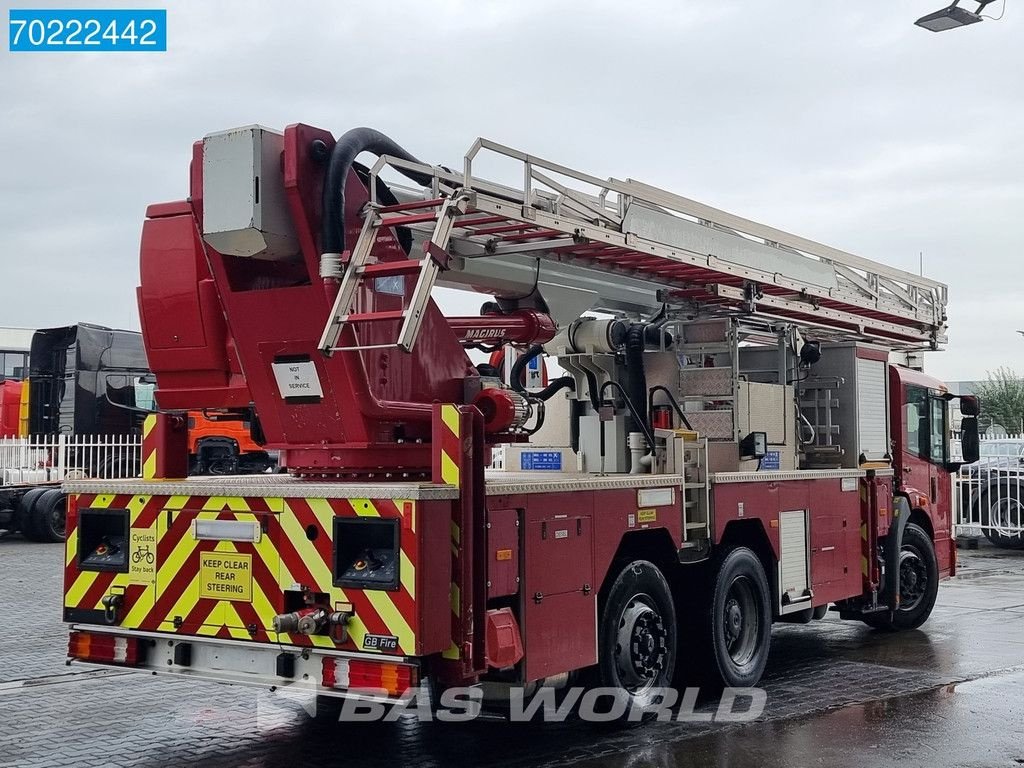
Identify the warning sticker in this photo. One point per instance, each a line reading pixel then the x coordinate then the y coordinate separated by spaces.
pixel 142 555
pixel 647 515
pixel 225 576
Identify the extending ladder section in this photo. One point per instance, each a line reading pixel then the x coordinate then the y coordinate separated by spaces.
pixel 692 254
pixel 442 212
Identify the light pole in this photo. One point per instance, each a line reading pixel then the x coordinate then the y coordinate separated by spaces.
pixel 952 17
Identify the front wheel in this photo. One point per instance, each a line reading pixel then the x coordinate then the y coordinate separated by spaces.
pixel 919 583
pixel 637 634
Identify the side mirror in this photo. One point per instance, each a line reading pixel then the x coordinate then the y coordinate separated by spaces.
pixel 969 440
pixel 969 405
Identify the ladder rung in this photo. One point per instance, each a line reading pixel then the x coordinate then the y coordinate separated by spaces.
pixel 505 228
pixel 530 235
pixel 467 223
pixel 391 268
pixel 412 218
pixel 376 317
pixel 433 203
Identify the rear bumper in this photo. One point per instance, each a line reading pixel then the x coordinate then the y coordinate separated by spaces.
pixel 238 662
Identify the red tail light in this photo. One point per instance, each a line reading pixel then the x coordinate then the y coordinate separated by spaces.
pixel 110 649
pixel 356 674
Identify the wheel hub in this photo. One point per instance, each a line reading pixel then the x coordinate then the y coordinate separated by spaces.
pixel 913 579
pixel 641 646
pixel 740 621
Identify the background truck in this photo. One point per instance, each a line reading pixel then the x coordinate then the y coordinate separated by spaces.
pixel 80 412
pixel 743 450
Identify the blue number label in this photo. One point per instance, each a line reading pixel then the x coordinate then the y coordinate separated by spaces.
pixel 87 30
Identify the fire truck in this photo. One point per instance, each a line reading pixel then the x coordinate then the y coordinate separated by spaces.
pixel 747 438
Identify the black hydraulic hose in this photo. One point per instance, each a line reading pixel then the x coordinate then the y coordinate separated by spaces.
pixel 520 365
pixel 671 399
pixel 575 412
pixel 636 378
pixel 349 146
pixel 644 426
pixel 595 397
pixel 562 382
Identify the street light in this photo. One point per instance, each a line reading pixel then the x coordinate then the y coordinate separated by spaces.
pixel 952 17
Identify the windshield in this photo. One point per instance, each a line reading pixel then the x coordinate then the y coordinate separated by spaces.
pixel 1002 448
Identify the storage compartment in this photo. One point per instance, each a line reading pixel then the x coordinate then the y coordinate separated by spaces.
pixel 845 397
pixel 502 552
pixel 103 540
pixel 366 553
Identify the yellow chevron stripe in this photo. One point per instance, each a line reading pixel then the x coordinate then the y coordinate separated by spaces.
pixel 449 469
pixel 456 598
pixel 407 574
pixel 451 652
pixel 363 507
pixel 149 466
pixel 450 417
pixel 147 425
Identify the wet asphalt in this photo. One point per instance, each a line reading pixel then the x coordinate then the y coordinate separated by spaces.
pixel 838 694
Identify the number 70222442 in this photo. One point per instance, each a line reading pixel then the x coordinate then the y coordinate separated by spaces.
pixel 87 30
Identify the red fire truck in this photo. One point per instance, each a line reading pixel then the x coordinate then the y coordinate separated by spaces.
pixel 746 439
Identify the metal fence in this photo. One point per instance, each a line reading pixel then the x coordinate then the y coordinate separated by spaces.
pixel 988 495
pixel 54 458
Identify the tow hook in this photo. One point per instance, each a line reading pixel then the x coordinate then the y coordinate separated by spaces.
pixel 111 605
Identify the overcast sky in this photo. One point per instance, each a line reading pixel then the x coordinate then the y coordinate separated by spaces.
pixel 842 122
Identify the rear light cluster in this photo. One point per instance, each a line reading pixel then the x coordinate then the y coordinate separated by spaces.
pixel 358 675
pixel 110 649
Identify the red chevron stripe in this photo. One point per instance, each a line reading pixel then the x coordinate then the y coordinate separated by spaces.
pixel 170 594
pixel 96 590
pixel 198 615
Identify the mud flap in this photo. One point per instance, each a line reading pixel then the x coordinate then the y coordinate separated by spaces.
pixel 891 553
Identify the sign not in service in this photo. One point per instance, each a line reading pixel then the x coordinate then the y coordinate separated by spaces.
pixel 297 379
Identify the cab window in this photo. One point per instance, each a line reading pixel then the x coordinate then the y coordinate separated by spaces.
pixel 925 430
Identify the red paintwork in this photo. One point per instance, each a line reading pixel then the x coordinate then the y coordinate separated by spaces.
pixel 504 640
pixel 524 326
pixel 10 405
pixel 202 311
pixel 560 628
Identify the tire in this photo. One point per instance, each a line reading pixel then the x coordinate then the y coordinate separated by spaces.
pixel 637 633
pixel 26 520
pixel 919 583
pixel 49 516
pixel 1003 508
pixel 736 623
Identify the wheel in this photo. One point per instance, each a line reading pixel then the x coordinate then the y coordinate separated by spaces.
pixel 49 515
pixel 919 583
pixel 1002 515
pixel 26 520
pixel 736 625
pixel 637 634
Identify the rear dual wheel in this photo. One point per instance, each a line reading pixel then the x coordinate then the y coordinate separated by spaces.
pixel 734 626
pixel 44 514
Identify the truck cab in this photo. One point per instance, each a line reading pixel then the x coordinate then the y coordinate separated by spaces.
pixel 922 458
